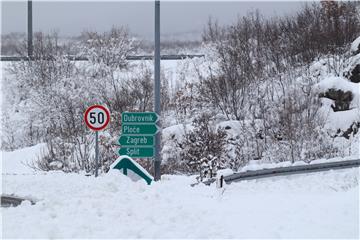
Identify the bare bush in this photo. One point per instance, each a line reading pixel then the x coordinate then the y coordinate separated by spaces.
pixel 240 65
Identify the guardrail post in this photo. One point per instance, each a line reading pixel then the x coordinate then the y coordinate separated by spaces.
pixel 220 182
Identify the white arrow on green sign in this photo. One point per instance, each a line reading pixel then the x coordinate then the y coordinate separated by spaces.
pixel 139 117
pixel 128 140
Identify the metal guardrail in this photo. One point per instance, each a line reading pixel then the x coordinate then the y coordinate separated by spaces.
pixel 282 171
pixel 81 58
pixel 11 200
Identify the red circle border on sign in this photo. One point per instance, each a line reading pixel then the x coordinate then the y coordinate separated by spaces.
pixel 107 112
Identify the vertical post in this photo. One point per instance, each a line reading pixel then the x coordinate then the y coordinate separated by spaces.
pixel 220 181
pixel 157 83
pixel 96 153
pixel 30 30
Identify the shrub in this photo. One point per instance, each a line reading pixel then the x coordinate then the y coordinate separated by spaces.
pixel 203 148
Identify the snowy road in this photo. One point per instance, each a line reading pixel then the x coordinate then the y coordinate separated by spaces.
pixel 317 205
pixel 324 205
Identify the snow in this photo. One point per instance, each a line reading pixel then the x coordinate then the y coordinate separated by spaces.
pixel 343 120
pixel 340 83
pixel 254 165
pixel 17 162
pixel 224 172
pixel 317 205
pixel 170 137
pixel 355 45
pixel 176 131
pixel 318 68
pixel 233 127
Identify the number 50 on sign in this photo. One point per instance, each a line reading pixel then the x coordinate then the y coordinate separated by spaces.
pixel 97 117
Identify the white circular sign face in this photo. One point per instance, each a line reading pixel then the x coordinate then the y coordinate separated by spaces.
pixel 97 117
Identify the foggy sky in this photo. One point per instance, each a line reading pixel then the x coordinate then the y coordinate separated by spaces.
pixel 71 18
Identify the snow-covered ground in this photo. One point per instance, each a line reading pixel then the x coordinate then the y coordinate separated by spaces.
pixel 317 205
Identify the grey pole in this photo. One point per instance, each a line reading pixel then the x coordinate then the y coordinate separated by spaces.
pixel 96 153
pixel 157 103
pixel 30 30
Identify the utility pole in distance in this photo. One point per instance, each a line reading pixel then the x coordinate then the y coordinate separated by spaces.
pixel 157 84
pixel 30 30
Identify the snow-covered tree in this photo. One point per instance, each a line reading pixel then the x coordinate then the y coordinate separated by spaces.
pixel 203 148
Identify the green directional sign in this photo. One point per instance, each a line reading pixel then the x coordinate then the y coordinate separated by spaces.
pixel 128 140
pixel 139 117
pixel 137 152
pixel 139 129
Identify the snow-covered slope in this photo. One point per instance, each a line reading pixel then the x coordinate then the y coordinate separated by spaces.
pixel 17 162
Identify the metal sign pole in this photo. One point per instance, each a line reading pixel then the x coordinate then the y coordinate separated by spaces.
pixel 30 30
pixel 97 117
pixel 157 103
pixel 96 153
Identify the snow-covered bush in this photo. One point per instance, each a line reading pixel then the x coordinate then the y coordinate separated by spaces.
pixel 108 51
pixel 39 87
pixel 240 149
pixel 300 123
pixel 203 148
pixel 53 92
pixel 187 102
pixel 122 86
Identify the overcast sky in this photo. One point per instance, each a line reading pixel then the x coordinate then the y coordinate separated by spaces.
pixel 71 18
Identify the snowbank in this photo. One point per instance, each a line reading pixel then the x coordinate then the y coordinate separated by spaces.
pixel 318 205
pixel 17 162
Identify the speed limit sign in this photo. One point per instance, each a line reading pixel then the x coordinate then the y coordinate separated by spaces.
pixel 97 117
